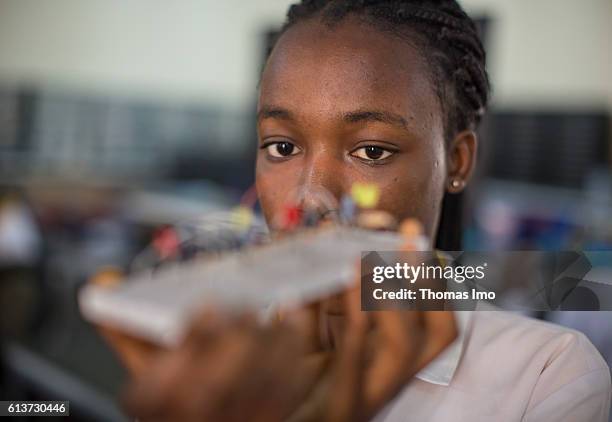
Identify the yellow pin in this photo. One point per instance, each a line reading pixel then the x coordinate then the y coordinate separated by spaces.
pixel 365 195
pixel 242 217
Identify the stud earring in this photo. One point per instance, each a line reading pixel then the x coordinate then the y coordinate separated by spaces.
pixel 456 183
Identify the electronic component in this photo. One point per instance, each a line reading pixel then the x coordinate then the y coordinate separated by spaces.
pixel 296 269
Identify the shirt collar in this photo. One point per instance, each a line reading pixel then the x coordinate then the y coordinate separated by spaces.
pixel 441 370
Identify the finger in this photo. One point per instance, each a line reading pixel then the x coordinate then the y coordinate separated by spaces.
pixel 336 393
pixel 311 328
pixel 195 380
pixel 302 323
pixel 348 379
pixel 134 353
pixel 149 395
pixel 277 383
pixel 399 340
pixel 220 367
pixel 410 229
pixel 440 330
pixel 206 325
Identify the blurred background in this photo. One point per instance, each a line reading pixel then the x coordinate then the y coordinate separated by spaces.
pixel 119 118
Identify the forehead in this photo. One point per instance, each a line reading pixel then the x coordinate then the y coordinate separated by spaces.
pixel 350 66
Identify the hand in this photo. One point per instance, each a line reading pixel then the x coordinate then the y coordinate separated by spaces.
pixel 378 354
pixel 229 369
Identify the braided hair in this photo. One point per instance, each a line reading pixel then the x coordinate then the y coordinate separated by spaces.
pixel 449 42
pixel 446 36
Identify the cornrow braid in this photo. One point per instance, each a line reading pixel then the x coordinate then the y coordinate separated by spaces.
pixel 448 39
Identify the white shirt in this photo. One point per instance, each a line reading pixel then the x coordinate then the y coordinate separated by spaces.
pixel 507 367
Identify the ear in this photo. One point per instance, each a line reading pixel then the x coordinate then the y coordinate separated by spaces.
pixel 461 160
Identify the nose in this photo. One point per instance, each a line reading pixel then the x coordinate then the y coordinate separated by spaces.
pixel 322 183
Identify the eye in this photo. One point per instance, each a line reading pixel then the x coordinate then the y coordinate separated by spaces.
pixel 372 153
pixel 281 149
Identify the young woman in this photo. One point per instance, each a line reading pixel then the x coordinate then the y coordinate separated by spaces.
pixel 386 92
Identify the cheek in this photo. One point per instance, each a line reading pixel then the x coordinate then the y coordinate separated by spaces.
pixel 415 188
pixel 274 183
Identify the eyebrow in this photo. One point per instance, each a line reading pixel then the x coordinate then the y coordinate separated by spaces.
pixel 350 117
pixel 376 116
pixel 268 112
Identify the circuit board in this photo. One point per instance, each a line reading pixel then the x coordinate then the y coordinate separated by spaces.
pixel 157 305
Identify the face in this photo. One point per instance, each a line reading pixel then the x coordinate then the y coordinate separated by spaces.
pixel 353 104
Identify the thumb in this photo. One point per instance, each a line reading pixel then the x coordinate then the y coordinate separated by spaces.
pixel 134 353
